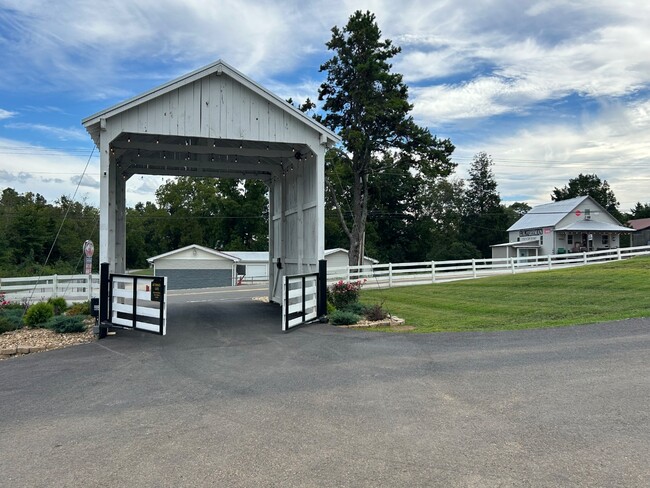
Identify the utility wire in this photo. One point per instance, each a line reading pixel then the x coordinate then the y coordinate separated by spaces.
pixel 61 226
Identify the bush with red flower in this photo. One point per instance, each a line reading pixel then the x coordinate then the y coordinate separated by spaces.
pixel 344 293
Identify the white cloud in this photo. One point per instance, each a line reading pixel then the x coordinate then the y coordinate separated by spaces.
pixel 61 133
pixel 505 74
pixel 614 145
pixel 27 167
pixel 6 114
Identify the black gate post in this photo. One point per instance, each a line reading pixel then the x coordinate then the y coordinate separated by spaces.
pixel 321 307
pixel 104 291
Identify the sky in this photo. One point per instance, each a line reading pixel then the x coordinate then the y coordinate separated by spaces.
pixel 549 89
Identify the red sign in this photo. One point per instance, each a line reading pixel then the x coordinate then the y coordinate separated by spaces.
pixel 89 249
pixel 578 213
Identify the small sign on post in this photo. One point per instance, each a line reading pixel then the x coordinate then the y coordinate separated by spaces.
pixel 157 289
pixel 89 250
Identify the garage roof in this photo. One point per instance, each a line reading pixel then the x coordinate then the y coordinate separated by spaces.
pixel 194 246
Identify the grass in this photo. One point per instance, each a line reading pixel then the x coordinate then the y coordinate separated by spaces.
pixel 142 272
pixel 582 295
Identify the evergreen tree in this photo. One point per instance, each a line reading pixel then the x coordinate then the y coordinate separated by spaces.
pixel 368 105
pixel 485 220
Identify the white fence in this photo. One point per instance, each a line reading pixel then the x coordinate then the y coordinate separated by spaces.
pixel 79 288
pixel 74 288
pixel 402 274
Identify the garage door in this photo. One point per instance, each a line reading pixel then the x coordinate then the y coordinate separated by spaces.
pixel 183 279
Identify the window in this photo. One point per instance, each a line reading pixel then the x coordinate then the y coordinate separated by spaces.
pixel 569 239
pixel 541 240
pixel 605 239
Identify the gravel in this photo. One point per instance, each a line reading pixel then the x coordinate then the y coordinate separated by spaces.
pixel 42 338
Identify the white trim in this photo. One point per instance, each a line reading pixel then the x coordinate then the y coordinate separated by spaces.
pixel 219 67
pixel 194 246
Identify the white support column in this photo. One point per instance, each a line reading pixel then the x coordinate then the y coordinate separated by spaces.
pixel 297 178
pixel 320 198
pixel 120 223
pixel 106 203
pixel 271 265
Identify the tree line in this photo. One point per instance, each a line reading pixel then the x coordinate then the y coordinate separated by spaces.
pixel 410 218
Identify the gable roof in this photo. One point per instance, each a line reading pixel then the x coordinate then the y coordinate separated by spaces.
pixel 197 247
pixel 548 214
pixel 594 226
pixel 250 255
pixel 219 67
pixel 639 224
pixel 340 249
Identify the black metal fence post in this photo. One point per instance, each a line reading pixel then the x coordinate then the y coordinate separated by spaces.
pixel 321 307
pixel 104 284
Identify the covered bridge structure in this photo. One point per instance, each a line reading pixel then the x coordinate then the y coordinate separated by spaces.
pixel 216 122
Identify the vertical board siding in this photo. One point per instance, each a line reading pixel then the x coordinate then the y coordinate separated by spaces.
pixel 215 107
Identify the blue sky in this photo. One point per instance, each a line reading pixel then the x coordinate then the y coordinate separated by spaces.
pixel 549 89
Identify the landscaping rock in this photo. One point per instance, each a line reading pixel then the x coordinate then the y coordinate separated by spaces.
pixel 25 340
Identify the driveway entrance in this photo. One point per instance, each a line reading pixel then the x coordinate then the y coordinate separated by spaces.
pixel 225 399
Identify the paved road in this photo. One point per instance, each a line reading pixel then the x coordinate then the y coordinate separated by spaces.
pixel 226 399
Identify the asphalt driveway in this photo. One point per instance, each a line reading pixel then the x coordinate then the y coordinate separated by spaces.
pixel 226 399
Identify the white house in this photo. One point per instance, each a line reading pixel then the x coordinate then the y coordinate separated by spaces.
pixel 574 225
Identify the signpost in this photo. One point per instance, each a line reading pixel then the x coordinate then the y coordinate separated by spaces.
pixel 89 250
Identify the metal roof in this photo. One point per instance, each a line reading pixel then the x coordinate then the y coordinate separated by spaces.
pixel 534 243
pixel 249 256
pixel 594 226
pixel 638 224
pixel 547 215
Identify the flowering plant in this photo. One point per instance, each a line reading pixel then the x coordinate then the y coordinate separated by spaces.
pixel 3 302
pixel 343 293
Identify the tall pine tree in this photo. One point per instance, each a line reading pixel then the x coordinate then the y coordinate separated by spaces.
pixel 368 105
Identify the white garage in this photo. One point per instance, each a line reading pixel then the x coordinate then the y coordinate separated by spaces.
pixel 195 267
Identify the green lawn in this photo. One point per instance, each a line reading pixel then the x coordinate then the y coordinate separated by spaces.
pixel 573 296
pixel 142 272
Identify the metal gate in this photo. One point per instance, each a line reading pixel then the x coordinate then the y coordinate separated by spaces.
pixel 138 302
pixel 300 300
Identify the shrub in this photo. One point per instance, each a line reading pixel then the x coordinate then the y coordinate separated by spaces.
pixel 342 293
pixel 66 324
pixel 341 317
pixel 38 314
pixel 81 308
pixel 12 319
pixel 375 312
pixel 355 307
pixel 59 304
pixel 8 323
